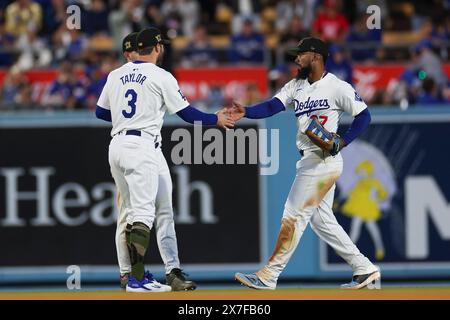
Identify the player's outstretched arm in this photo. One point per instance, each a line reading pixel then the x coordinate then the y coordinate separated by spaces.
pixel 221 118
pixel 258 111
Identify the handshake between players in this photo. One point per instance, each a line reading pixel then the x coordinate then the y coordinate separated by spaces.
pixel 329 142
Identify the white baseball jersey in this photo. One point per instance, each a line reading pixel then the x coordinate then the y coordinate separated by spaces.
pixel 138 94
pixel 325 99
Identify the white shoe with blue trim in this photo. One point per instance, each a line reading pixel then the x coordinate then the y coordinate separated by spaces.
pixel 147 285
pixel 252 281
pixel 362 281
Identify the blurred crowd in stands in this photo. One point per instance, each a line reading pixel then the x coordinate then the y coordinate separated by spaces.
pixel 211 33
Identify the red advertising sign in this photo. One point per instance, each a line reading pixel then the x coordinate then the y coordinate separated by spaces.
pixel 198 83
pixel 234 82
pixel 370 79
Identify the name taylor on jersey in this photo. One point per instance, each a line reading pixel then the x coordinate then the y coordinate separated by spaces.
pixel 132 77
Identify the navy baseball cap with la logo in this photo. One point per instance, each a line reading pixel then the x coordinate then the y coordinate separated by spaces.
pixel 310 44
pixel 150 37
pixel 129 43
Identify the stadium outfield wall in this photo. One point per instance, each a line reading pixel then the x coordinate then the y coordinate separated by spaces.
pixel 57 200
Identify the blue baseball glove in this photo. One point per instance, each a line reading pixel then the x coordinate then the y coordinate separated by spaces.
pixel 321 137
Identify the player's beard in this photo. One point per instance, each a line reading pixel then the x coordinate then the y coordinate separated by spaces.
pixel 303 72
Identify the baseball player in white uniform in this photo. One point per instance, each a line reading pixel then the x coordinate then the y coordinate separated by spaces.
pixel 135 99
pixel 319 99
pixel 165 226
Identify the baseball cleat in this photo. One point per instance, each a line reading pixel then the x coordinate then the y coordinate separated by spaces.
pixel 361 281
pixel 146 285
pixel 177 280
pixel 252 281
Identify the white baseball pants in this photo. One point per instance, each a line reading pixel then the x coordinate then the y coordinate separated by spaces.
pixel 165 227
pixel 310 201
pixel 134 167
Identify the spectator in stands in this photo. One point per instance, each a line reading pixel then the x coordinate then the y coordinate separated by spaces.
pixel 154 18
pixel 339 64
pixel 68 44
pixel 22 17
pixel 7 41
pixel 54 15
pixel 95 80
pixel 208 12
pixel 396 93
pixel 294 32
pixel 441 29
pixel 222 21
pixel 237 22
pixel 34 51
pixel 440 34
pixel 95 19
pixel 423 80
pixel 16 90
pixel 91 59
pixel 66 91
pixel 127 18
pixel 364 42
pixel 246 7
pixel 429 93
pixel 287 9
pixel 247 46
pixel 279 76
pixel 405 90
pixel 199 52
pixel 330 25
pixel 24 20
pixel 291 37
pixel 429 61
pixel 181 15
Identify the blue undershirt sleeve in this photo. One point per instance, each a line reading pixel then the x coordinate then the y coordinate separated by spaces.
pixel 190 114
pixel 264 109
pixel 361 122
pixel 103 114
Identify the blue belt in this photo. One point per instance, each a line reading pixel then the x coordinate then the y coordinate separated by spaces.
pixel 138 133
pixel 133 133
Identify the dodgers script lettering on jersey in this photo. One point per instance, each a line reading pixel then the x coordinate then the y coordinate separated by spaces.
pixel 326 99
pixel 138 95
pixel 309 106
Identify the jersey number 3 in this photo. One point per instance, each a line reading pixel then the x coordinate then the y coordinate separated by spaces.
pixel 131 103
